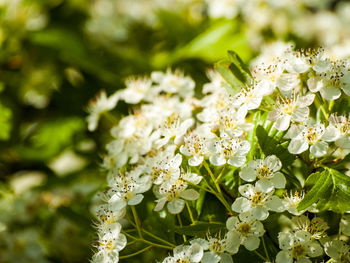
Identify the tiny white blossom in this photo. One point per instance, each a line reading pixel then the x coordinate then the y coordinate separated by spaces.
pixel 297 246
pixel 294 108
pixel 232 151
pixel 264 169
pixel 338 131
pixel 303 136
pixel 137 89
pixel 257 200
pixel 316 227
pixel 244 231
pixel 100 104
pixel 292 200
pixel 338 250
pixel 186 254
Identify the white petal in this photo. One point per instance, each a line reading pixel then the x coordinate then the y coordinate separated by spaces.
pixel 331 134
pixel 275 204
pixel 196 253
pixel 306 100
pixel 346 89
pixel 330 93
pixel 136 199
pixel 195 160
pixel 283 122
pixel 251 243
pixel 248 174
pixel 274 115
pixel 225 258
pixel 176 206
pixel 297 146
pixel 189 194
pixel 284 257
pixel 258 228
pixel 217 160
pixel 246 190
pixel 285 240
pixel 264 186
pixel 303 236
pixel 241 205
pixel 314 249
pixel 287 81
pixel 232 222
pixel 319 149
pixel 343 142
pixel 120 242
pixel 314 84
pixel 160 204
pixel 209 257
pixel 273 163
pixel 233 242
pixel 260 213
pixel 278 180
pixel 300 114
pixel 237 161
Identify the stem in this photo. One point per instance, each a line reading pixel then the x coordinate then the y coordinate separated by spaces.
pixel 153 235
pixel 190 212
pixel 265 249
pixel 221 174
pixel 199 187
pixel 147 241
pixel 137 221
pixel 136 253
pixel 180 223
pixel 259 255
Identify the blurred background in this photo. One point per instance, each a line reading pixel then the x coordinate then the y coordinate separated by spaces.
pixel 55 55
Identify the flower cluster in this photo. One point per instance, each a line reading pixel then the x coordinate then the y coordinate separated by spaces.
pixel 243 147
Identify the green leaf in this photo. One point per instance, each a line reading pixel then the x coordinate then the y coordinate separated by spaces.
pixel 200 228
pixel 331 191
pixel 5 122
pixel 270 145
pixel 239 68
pixel 323 183
pixel 227 75
pixel 200 202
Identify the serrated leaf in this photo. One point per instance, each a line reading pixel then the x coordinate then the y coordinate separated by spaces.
pixel 269 145
pixel 312 178
pixel 200 228
pixel 323 183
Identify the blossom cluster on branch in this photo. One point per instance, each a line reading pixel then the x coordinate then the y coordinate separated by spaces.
pixel 270 143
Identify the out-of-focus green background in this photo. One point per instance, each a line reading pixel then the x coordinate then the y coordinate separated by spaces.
pixel 55 55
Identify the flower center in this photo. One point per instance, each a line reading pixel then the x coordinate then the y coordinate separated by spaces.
pixel 298 251
pixel 258 199
pixel 244 228
pixel 264 172
pixel 217 246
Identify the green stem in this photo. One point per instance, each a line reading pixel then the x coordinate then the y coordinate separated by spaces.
pixel 265 249
pixel 136 253
pixel 190 212
pixel 180 223
pixel 260 256
pixel 137 221
pixel 147 241
pixel 221 173
pixel 154 236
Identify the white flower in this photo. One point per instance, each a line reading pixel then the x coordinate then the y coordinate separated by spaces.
pixel 290 109
pixel 292 201
pixel 264 169
pixel 100 104
pixel 109 245
pixel 186 254
pixel 316 227
pixel 173 127
pixel 244 231
pixel 345 225
pixel 196 145
pixel 174 82
pixel 330 83
pixel 217 247
pixel 303 136
pixel 232 151
pixel 175 194
pixel 107 214
pixel 338 131
pixel 166 170
pixel 273 76
pixel 257 200
pixel 127 189
pixel 250 97
pixel 232 122
pixel 137 89
pixel 338 250
pixel 298 246
pixel 223 8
